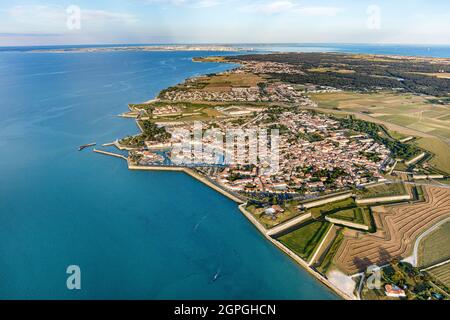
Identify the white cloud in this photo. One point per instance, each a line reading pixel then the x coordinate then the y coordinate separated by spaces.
pixel 271 7
pixel 29 13
pixel 282 6
pixel 207 3
pixel 50 17
pixel 102 15
pixel 189 3
pixel 318 11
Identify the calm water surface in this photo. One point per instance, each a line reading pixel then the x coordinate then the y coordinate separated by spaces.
pixel 136 235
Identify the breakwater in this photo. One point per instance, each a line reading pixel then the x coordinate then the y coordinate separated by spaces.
pixel 112 154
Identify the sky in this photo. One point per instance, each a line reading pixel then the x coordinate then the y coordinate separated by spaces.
pixel 57 22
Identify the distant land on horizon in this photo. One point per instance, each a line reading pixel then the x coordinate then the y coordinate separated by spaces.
pixel 435 51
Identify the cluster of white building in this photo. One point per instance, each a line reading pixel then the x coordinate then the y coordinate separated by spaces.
pixel 300 159
pixel 167 110
pixel 148 157
pixel 276 92
pixel 314 154
pixel 259 67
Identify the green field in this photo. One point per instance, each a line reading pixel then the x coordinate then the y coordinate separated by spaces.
pixel 440 150
pixel 327 261
pixel 445 181
pixel 384 104
pixel 407 114
pixel 435 247
pixel 304 240
pixel 333 207
pixel 396 135
pixel 356 215
pixel 401 166
pixel 418 193
pixel 383 190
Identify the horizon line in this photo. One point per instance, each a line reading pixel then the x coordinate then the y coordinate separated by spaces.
pixel 235 44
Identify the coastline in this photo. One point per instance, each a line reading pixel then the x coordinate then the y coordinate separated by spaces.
pixel 191 173
pixel 145 48
pixel 241 206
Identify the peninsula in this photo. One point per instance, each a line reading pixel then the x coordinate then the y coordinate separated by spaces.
pixel 363 173
pixel 148 48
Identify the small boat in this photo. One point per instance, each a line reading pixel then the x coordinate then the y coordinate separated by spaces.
pixel 84 146
pixel 216 276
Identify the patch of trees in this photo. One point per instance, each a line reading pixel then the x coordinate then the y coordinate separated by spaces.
pixel 262 199
pixel 310 137
pixel 282 129
pixel 330 175
pixel 442 101
pixel 371 156
pixel 151 132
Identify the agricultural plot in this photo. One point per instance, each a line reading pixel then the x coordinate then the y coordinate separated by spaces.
pixel 303 241
pixel 440 151
pixel 383 190
pixel 441 274
pixel 407 114
pixel 383 102
pixel 441 75
pixel 221 82
pixel 403 121
pixel 397 230
pixel 435 247
pixel 224 82
pixel 396 135
pixel 406 110
pixel 331 69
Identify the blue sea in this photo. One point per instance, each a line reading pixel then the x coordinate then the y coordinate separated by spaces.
pixel 134 235
pixel 434 51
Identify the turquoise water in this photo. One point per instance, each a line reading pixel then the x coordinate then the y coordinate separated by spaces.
pixel 135 235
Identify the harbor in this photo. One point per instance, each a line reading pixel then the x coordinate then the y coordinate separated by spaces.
pixel 241 205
